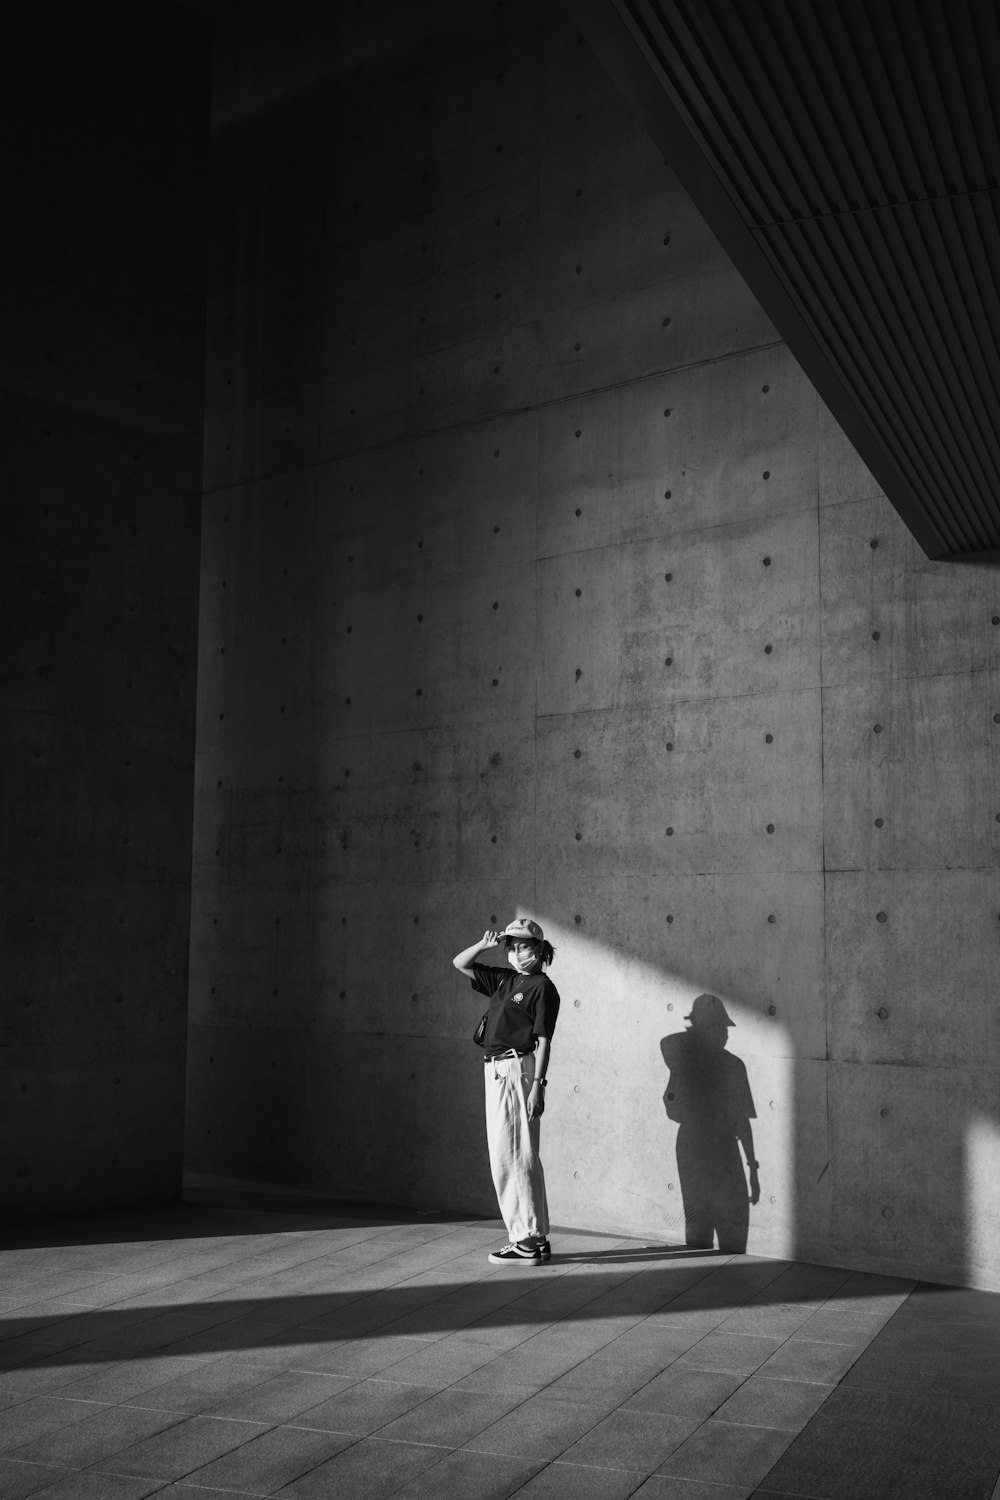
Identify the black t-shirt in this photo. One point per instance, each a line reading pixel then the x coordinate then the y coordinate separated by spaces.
pixel 522 1007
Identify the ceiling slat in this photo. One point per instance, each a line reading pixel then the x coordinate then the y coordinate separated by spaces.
pixel 848 156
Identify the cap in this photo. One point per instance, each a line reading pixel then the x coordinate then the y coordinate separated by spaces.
pixel 523 928
pixel 709 1008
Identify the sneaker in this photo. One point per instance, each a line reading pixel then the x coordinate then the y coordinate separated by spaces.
pixel 527 1254
pixel 544 1250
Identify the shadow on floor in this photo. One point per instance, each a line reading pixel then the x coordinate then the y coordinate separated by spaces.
pixel 200 1214
pixel 222 1300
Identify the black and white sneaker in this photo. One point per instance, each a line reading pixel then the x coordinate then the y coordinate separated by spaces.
pixel 526 1254
pixel 544 1250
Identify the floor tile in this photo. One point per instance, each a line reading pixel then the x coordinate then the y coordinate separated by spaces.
pixel 627 1377
pixel 804 1282
pixel 129 1378
pixel 367 1470
pixel 686 1392
pixel 188 1445
pixel 562 1481
pixel 290 1393
pixel 602 1376
pixel 20 1479
pixel 693 1318
pixel 780 1494
pixel 922 1355
pixel 204 1388
pixel 365 1407
pixel 433 1320
pixel 729 1353
pixel 772 1320
pixel 801 1359
pixel 513 1373
pixel 901 1448
pixel 449 1418
pixel 570 1341
pixel 727 1453
pixel 61 1324
pixel 949 1304
pixel 637 1440
pixel 540 1428
pixel 52 1375
pixel 768 1494
pixel 871 1287
pixel 18 1351
pixel 670 1487
pixel 650 1345
pixel 847 1326
pixel 107 1431
pixel 272 1460
pixel 360 1357
pixel 461 1475
pixel 366 1321
pixel 15 1356
pixel 31 1420
pixel 879 1303
pixel 440 1364
pixel 764 1402
pixel 93 1486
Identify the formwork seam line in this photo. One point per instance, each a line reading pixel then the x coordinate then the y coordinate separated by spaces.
pixel 502 414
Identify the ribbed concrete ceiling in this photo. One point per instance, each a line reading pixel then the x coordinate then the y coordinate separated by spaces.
pixel 848 157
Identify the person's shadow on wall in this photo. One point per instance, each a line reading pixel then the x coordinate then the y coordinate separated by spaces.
pixel 708 1095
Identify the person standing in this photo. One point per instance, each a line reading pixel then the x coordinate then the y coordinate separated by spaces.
pixel 517 1042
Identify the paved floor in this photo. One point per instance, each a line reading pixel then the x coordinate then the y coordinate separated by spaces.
pixel 313 1351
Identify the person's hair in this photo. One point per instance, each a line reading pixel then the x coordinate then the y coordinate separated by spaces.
pixel 545 951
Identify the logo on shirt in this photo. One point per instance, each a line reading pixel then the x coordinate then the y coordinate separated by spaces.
pixel 518 997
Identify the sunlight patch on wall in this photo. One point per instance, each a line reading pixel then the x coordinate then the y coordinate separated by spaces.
pixel 982 1204
pixel 610 1145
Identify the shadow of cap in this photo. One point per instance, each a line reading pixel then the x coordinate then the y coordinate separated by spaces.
pixel 706 1009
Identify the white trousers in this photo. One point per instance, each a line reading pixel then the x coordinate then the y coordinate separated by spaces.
pixel 513 1145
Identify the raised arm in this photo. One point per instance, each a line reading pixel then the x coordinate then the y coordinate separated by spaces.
pixel 463 961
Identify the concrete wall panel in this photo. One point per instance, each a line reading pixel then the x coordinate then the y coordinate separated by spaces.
pixel 700 620
pixel 611 221
pixel 648 461
pixel 889 612
pixel 468 495
pixel 911 965
pixel 894 744
pixel 731 800
pixel 882 1123
pixel 435 652
pixel 432 284
pixel 676 323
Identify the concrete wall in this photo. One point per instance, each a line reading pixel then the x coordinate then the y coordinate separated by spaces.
pixel 101 389
pixel 535 579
